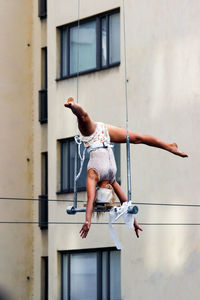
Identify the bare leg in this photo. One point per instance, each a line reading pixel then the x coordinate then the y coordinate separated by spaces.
pixel 118 135
pixel 122 197
pixel 85 124
pixel 92 180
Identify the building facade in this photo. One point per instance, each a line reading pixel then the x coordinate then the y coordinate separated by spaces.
pixel 57 41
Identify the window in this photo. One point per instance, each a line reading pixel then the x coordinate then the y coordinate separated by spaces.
pixel 68 151
pixel 44 278
pixel 101 269
pixel 44 173
pixel 67 154
pixel 43 202
pixel 91 45
pixel 43 105
pixel 42 8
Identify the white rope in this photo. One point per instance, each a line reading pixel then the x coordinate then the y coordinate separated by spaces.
pixel 82 157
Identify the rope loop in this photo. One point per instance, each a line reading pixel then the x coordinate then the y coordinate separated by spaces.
pixel 82 157
pixel 77 139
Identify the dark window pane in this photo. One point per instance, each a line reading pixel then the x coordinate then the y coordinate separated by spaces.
pixel 72 154
pixel 64 52
pixel 65 166
pixel 83 47
pixel 105 275
pixel 68 152
pixel 115 276
pixel 43 106
pixel 44 68
pixel 81 183
pixel 103 42
pixel 91 45
pixel 114 38
pixel 43 212
pixel 83 269
pixel 42 8
pixel 102 269
pixel 44 278
pixel 117 153
pixel 44 175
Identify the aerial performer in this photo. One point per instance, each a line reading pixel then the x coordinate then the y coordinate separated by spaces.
pixel 101 169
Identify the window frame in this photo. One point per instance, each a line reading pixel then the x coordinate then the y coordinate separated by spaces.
pixel 99 252
pixel 44 277
pixel 43 198
pixel 99 66
pixel 68 190
pixel 117 154
pixel 43 93
pixel 43 106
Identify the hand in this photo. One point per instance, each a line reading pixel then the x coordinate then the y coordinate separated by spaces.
pixel 69 103
pixel 137 228
pixel 84 230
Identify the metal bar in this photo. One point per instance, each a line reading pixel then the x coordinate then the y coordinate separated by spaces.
pixel 73 210
pixel 75 172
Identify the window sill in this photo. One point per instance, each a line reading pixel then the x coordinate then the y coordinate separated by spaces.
pixel 88 72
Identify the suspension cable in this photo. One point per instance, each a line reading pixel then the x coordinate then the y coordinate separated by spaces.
pixel 77 99
pixel 98 223
pixel 83 201
pixel 126 96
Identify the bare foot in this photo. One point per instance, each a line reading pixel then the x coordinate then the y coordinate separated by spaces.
pixel 69 103
pixel 174 150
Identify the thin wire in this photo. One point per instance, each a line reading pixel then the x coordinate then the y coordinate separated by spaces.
pixel 78 37
pixel 126 96
pixel 38 199
pixel 125 66
pixel 168 204
pixel 77 100
pixel 83 201
pixel 97 223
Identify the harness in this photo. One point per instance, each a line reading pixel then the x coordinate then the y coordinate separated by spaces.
pixel 99 139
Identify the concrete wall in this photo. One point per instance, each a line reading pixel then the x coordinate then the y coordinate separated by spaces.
pixel 163 91
pixel 16 147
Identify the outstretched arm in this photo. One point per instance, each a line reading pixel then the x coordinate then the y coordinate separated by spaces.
pixel 92 180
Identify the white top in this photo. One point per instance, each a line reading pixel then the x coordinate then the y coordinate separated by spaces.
pixel 100 135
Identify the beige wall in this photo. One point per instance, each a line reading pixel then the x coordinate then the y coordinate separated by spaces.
pixel 163 91
pixel 40 145
pixel 16 160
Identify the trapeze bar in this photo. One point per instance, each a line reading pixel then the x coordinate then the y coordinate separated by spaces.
pixel 71 210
